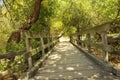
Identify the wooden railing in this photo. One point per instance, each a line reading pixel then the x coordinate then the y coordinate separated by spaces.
pixel 28 53
pixel 43 46
pixel 87 38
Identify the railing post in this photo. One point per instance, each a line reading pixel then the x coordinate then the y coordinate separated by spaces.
pixel 75 40
pixel 89 42
pixel 82 42
pixel 105 44
pixel 48 39
pixel 28 48
pixel 42 43
pixel 79 42
pixel 53 42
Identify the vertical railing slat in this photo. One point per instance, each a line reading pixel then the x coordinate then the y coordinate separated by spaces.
pixel 42 43
pixel 89 42
pixel 28 48
pixel 48 39
pixel 105 44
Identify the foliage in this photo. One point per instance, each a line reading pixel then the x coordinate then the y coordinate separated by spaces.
pixel 14 47
pixel 5 29
pixel 57 17
pixel 18 10
pixel 79 14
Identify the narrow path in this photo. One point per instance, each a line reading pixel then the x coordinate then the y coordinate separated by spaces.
pixel 67 63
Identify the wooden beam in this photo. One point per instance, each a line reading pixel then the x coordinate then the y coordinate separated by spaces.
pixel 48 40
pixel 42 44
pixel 98 29
pixel 24 52
pixel 33 34
pixel 41 48
pixel 11 54
pixel 89 42
pixel 28 48
pixel 105 43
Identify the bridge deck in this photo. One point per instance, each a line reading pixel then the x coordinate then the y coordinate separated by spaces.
pixel 67 62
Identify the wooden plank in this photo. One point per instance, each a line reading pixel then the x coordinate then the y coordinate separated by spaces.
pixel 28 48
pixel 12 54
pixel 33 34
pixel 30 73
pixel 115 53
pixel 48 44
pixel 48 39
pixel 38 49
pixel 98 29
pixel 105 44
pixel 99 45
pixel 102 27
pixel 42 43
pixel 89 42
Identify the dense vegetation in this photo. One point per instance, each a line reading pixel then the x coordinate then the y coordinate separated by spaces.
pixel 56 17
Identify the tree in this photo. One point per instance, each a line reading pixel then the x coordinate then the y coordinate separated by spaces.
pixel 74 16
pixel 26 26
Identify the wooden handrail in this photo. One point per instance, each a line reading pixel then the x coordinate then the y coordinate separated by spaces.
pixel 11 54
pixel 102 31
pixel 29 52
pixel 32 34
pixel 99 29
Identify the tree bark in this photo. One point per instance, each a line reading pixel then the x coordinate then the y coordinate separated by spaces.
pixel 15 36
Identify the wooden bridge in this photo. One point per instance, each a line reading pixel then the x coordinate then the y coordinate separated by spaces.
pixel 66 62
pixel 71 60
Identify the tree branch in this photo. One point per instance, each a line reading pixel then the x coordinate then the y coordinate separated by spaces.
pixel 15 36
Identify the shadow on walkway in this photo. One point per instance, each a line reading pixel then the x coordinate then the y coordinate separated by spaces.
pixel 67 63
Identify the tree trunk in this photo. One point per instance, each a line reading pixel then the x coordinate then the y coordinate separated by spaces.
pixel 15 36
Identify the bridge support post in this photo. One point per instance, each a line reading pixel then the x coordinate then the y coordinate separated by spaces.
pixel 105 45
pixel 81 42
pixel 75 39
pixel 80 39
pixel 89 42
pixel 42 43
pixel 48 39
pixel 53 43
pixel 28 48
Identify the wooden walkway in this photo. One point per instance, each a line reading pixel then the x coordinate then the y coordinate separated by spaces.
pixel 67 63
